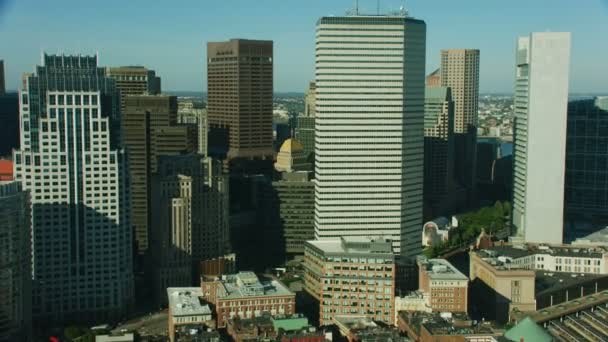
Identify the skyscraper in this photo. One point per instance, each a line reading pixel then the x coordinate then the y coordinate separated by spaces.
pixel 460 72
pixel 239 109
pixel 150 129
pixel 134 80
pixel 78 182
pixel 9 123
pixel 369 125
pixel 541 99
pixel 438 151
pixel 205 188
pixel 305 127
pixel 586 193
pixel 2 84
pixel 15 263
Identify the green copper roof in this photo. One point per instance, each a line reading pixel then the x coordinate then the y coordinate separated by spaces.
pixel 290 324
pixel 528 331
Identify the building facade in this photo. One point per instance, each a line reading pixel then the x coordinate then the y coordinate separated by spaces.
pixel 15 263
pixel 351 276
pixel 295 196
pixel 460 72
pixel 369 143
pixel 189 217
pixel 240 72
pixel 541 98
pixel 292 157
pixel 244 295
pixel 499 286
pixel 438 151
pixel 134 80
pixel 188 314
pixel 586 189
pixel 78 183
pixel 445 286
pixel 150 130
pixel 9 123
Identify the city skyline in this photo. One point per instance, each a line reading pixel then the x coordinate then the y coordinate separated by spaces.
pixel 457 25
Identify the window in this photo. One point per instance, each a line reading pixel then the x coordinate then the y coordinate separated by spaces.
pixel 60 100
pixel 52 99
pixel 85 100
pixel 94 100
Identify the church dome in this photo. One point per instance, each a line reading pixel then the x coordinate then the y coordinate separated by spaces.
pixel 291 145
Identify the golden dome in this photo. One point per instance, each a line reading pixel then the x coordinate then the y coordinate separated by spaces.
pixel 291 145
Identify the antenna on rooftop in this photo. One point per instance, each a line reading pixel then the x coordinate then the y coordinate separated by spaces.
pixel 378 7
pixel 356 7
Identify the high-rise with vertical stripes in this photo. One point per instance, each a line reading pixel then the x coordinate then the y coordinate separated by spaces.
pixel 541 106
pixel 370 128
pixel 74 169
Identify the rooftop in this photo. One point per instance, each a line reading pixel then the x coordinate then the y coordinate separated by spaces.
pixel 247 284
pixel 441 269
pixel 187 301
pixel 563 309
pixel 502 256
pixel 446 324
pixel 354 245
pixel 129 337
pixel 599 238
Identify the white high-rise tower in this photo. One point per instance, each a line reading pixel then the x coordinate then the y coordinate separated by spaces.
pixel 541 105
pixel 369 128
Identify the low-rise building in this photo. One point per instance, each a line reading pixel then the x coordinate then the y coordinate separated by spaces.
pixel 189 313
pixel 445 286
pixel 500 286
pixel 441 327
pixel 248 329
pixel 358 328
pixel 127 337
pixel 351 276
pixel 246 296
pixel 563 258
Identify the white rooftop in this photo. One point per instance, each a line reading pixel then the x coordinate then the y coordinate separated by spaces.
pixel 441 269
pixel 354 245
pixel 129 337
pixel 187 301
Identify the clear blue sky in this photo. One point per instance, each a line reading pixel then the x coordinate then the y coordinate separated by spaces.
pixel 170 36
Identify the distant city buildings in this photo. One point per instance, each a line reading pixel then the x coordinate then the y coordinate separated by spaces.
pixel 246 296
pixel 460 72
pixel 369 151
pixel 351 276
pixel 77 178
pixel 541 96
pixel 240 72
pixel 150 130
pixel 586 189
pixel 15 263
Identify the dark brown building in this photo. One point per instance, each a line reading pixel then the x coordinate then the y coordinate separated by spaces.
pixel 150 129
pixel 2 85
pixel 240 90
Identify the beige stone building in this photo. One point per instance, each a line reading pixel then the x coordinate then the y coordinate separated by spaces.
pixel 500 286
pixel 351 276
pixel 460 72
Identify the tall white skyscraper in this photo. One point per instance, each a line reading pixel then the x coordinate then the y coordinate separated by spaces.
pixel 541 105
pixel 71 164
pixel 370 128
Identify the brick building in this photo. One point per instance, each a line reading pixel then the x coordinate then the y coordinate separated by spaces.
pixel 246 296
pixel 446 287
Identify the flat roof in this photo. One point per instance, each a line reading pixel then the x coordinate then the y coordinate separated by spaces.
pixel 441 269
pixel 354 245
pixel 575 251
pixel 129 337
pixel 187 301
pixel 247 284
pixel 562 309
